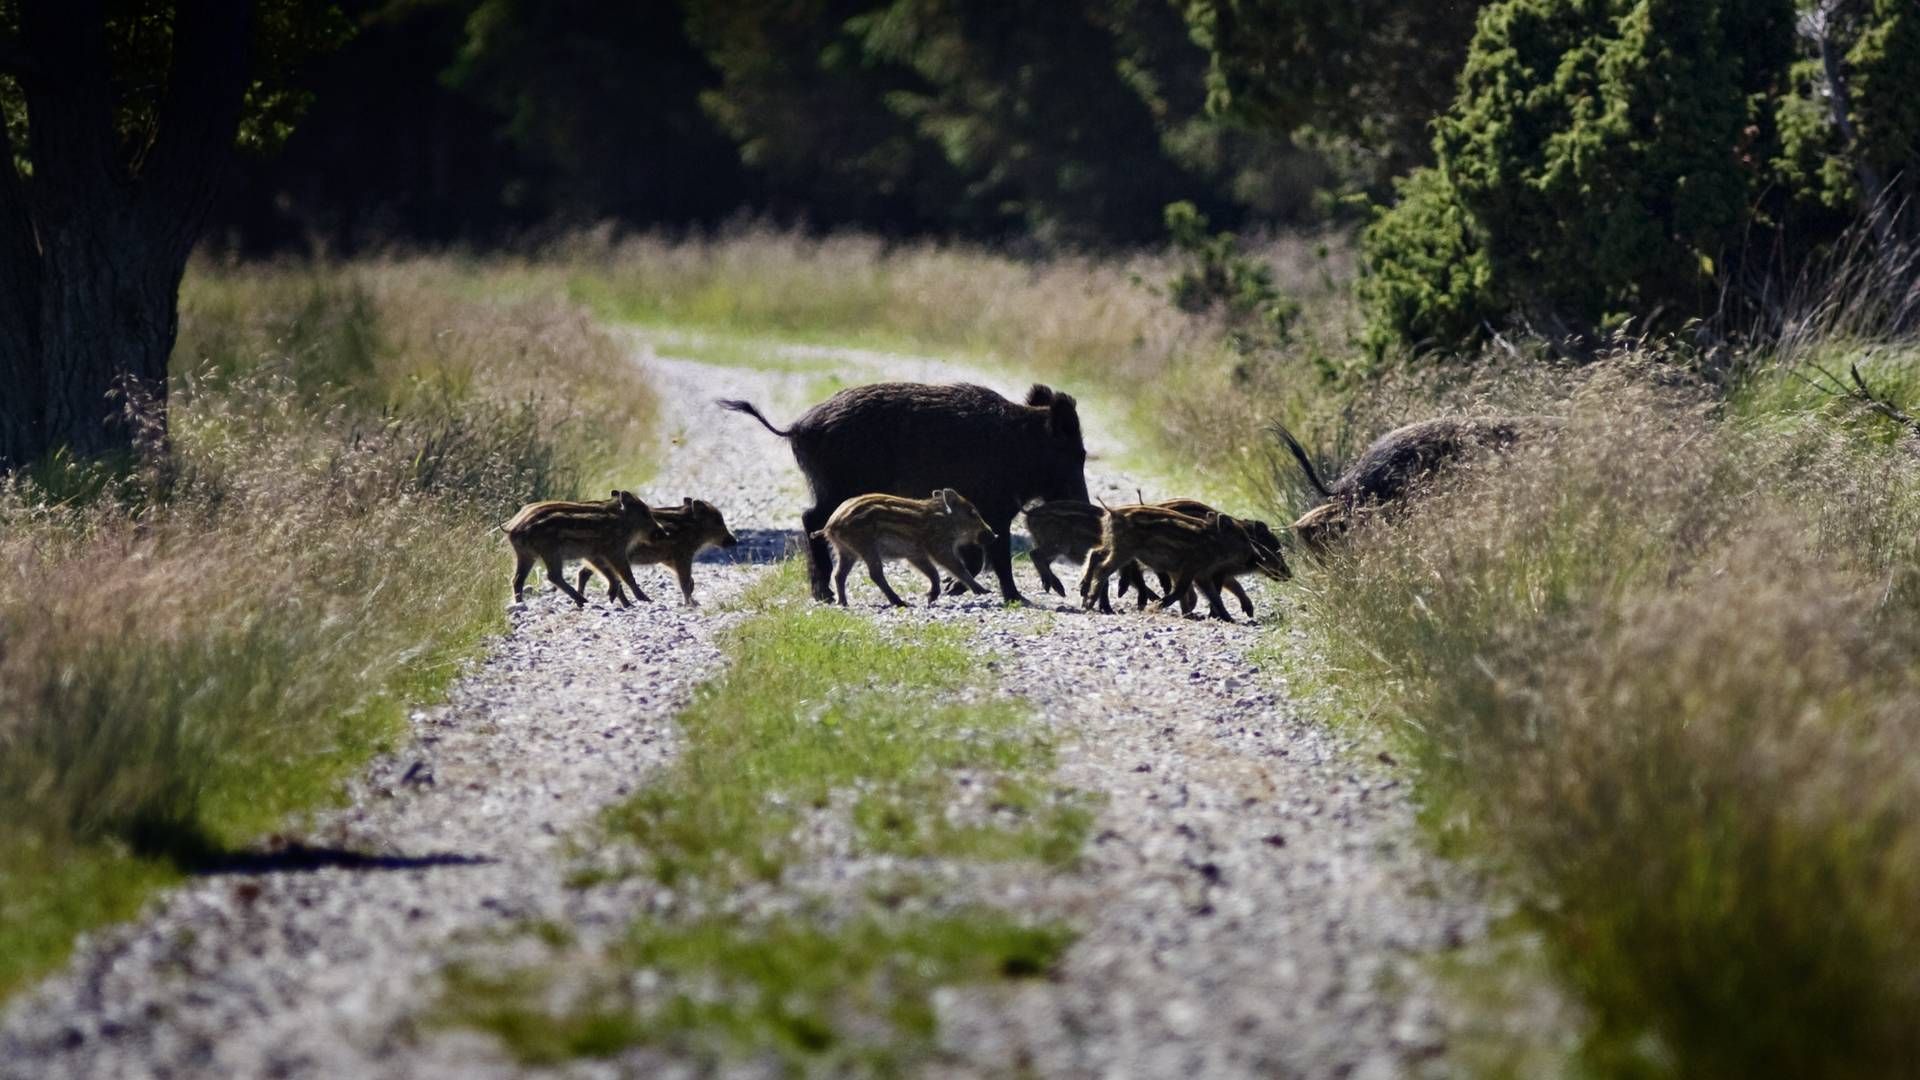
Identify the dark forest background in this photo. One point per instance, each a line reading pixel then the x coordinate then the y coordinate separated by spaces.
pixel 1051 121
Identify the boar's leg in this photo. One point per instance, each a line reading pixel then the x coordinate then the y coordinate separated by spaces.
pixel 624 569
pixel 610 573
pixel 1000 552
pixel 614 592
pixel 958 568
pixel 925 566
pixel 1180 590
pixel 1187 600
pixel 1131 577
pixel 683 569
pixel 819 556
pixel 1184 590
pixel 1215 609
pixel 1043 564
pixel 1093 583
pixel 879 577
pixel 522 566
pixel 557 575
pixel 840 575
pixel 1227 582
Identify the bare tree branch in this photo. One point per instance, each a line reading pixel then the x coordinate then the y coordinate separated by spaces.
pixel 1884 406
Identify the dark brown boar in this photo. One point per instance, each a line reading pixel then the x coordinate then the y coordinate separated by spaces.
pixel 926 532
pixel 599 532
pixel 1396 463
pixel 1265 559
pixel 691 528
pixel 1191 551
pixel 905 438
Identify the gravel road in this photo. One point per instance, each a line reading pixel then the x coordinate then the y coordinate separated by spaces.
pixel 1252 901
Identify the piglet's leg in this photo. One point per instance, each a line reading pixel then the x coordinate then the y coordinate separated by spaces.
pixel 925 566
pixel 557 575
pixel 879 577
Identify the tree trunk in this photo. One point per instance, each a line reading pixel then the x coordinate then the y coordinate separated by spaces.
pixel 1874 205
pixel 108 317
pixel 93 247
pixel 22 419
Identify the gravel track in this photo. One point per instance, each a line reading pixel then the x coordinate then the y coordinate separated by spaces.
pixel 1252 901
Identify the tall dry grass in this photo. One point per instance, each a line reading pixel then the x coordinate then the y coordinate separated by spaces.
pixel 1103 325
pixel 1659 668
pixel 1065 315
pixel 190 649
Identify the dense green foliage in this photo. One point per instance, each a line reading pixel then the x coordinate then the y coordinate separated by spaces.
pixel 1068 122
pixel 1609 163
pixel 1368 76
pixel 1073 121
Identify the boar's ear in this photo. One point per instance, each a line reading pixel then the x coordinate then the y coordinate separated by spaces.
pixel 1063 417
pixel 1040 394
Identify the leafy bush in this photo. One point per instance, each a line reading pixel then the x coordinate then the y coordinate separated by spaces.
pixel 1643 162
pixel 1214 277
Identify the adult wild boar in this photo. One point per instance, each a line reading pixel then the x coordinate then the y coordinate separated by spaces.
pixel 1396 463
pixel 910 438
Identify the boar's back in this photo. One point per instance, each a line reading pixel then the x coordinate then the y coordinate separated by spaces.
pixel 1405 455
pixel 910 438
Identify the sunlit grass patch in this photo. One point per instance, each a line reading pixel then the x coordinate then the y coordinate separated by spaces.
pixel 820 997
pixel 751 351
pixel 818 702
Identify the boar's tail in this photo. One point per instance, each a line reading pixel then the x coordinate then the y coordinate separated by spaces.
pixel 747 407
pixel 1306 463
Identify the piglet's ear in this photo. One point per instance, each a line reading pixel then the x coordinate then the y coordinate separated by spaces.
pixel 615 493
pixel 946 498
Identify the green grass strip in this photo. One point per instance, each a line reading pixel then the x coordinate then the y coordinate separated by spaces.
pixel 827 1000
pixel 818 700
pixel 821 711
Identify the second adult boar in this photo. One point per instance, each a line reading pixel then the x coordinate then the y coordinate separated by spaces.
pixel 909 438
pixel 1396 464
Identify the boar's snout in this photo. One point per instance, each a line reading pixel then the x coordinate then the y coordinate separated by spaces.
pixel 731 540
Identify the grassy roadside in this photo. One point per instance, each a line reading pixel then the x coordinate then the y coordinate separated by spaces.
pixel 1657 672
pixel 190 656
pixel 828 728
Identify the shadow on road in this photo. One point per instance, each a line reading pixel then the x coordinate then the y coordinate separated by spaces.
pixel 757 546
pixel 298 858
